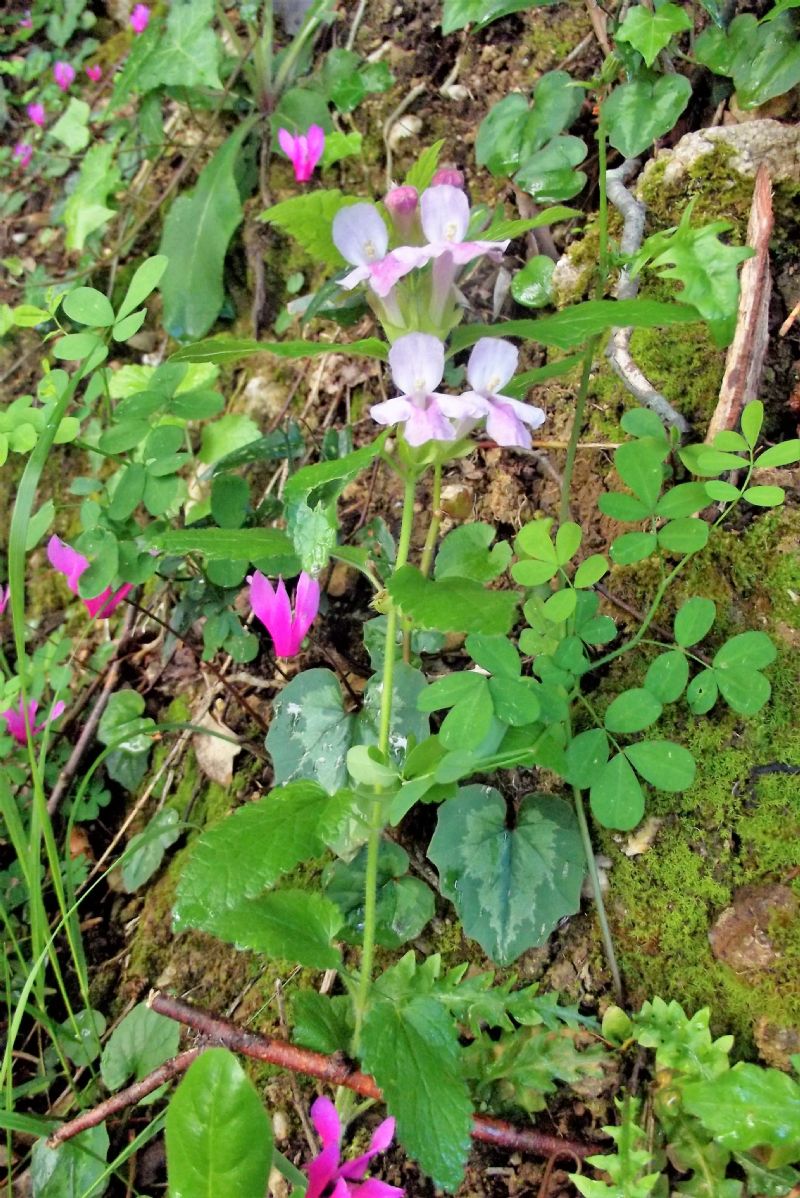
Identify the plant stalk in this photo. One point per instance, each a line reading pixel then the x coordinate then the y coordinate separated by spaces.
pixel 376 808
pixel 594 877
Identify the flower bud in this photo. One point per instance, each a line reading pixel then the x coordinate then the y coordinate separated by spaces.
pixel 402 203
pixel 449 175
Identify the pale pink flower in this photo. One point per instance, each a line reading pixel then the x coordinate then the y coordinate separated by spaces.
pixel 26 22
pixel 36 113
pixel 72 564
pixel 64 74
pixel 402 204
pixel 15 719
pixel 23 153
pixel 417 365
pixel 326 1173
pixel 303 151
pixel 491 365
pixel 95 73
pixel 274 610
pixel 5 595
pixel 361 237
pixel 140 18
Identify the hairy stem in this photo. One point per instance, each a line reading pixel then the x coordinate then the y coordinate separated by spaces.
pixel 376 807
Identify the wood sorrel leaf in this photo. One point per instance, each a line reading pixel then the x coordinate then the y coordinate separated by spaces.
pixel 510 886
pixel 219 1136
pixel 663 764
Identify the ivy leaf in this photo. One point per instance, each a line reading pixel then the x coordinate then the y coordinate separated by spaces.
pixel 509 886
pixel 219 1135
pixel 750 1107
pixel 763 58
pixel 480 13
pixel 195 239
pixel 706 266
pixel 635 114
pixel 309 220
pixel 649 32
pixel 145 851
pixel 412 1051
pixel 549 174
pixel 141 1042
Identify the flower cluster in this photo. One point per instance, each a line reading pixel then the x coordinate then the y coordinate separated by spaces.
pixel 433 230
pixel 417 364
pixel 328 1176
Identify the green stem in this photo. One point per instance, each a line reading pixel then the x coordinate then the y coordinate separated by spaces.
pixel 377 806
pixel 436 519
pixel 594 877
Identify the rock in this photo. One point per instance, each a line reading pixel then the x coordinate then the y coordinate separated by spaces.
pixel 776 1044
pixel 751 143
pixel 740 936
pixel 264 398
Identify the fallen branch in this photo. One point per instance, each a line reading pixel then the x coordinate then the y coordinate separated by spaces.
pixel 618 350
pixel 745 360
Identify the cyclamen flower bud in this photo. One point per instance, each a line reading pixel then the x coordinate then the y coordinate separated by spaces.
pixel 303 151
pixel 23 153
pixel 5 595
pixel 140 18
pixel 36 113
pixel 95 73
pixel 274 610
pixel 63 74
pixel 448 175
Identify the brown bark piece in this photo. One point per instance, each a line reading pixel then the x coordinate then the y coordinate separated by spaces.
pixel 745 359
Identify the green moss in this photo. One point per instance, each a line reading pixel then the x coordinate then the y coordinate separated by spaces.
pixel 736 826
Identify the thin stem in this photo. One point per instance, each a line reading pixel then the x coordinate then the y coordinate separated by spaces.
pixel 376 807
pixel 594 877
pixel 436 520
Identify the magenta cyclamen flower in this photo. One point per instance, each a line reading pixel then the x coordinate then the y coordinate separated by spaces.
pixel 303 151
pixel 26 21
pixel 15 719
pixel 140 18
pixel 36 113
pixel 274 610
pixel 95 73
pixel 23 153
pixel 64 74
pixel 491 365
pixel 72 564
pixel 326 1173
pixel 5 595
pixel 417 365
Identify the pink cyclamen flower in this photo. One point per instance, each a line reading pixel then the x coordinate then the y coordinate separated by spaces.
pixel 326 1173
pixel 274 610
pixel 64 74
pixel 140 18
pixel 303 151
pixel 95 73
pixel 26 22
pixel 5 595
pixel 361 237
pixel 417 365
pixel 491 365
pixel 15 719
pixel 36 113
pixel 72 564
pixel 23 153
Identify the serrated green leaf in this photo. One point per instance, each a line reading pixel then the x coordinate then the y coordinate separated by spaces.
pixel 86 209
pixel 452 604
pixel 309 220
pixel 750 1107
pixel 413 1053
pixel 510 886
pixel 186 52
pixel 320 1022
pixel 424 168
pixel 218 1134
